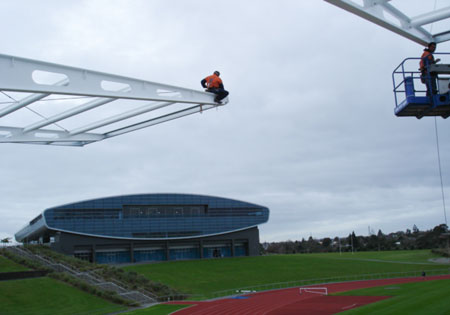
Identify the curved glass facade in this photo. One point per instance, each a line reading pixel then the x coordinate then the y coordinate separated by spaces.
pixel 155 216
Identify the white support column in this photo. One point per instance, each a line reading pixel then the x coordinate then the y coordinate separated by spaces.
pixel 28 100
pixel 158 120
pixel 22 103
pixel 116 118
pixel 71 112
pixel 431 17
pixel 16 135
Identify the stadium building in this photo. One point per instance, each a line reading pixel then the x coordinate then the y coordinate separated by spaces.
pixel 149 227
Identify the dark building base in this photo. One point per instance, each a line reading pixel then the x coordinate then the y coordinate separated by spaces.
pixel 116 251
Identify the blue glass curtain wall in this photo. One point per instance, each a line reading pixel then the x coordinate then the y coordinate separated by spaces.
pixel 149 255
pixel 184 253
pixel 156 216
pixel 217 252
pixel 240 250
pixel 113 257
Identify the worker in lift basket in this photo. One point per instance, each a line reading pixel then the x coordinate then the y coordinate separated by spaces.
pixel 426 60
pixel 214 85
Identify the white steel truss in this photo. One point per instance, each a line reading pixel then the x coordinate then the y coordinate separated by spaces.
pixel 72 92
pixel 379 12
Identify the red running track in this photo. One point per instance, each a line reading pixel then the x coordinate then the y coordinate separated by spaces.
pixel 289 301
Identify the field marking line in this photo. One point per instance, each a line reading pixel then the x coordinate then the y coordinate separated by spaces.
pixel 349 306
pixel 315 290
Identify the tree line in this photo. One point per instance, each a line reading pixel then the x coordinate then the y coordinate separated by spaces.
pixel 438 237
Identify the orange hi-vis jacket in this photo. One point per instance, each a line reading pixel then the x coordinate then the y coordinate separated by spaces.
pixel 213 82
pixel 426 55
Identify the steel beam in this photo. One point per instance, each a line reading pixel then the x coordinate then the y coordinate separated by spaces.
pixel 17 75
pixel 21 75
pixel 411 28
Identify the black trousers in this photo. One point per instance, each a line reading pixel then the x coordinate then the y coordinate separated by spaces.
pixel 430 80
pixel 220 93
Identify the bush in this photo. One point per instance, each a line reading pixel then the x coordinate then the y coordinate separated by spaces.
pixel 445 252
pixel 105 294
pixel 24 261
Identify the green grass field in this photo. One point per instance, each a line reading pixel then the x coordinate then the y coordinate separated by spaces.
pixel 7 265
pixel 160 309
pixel 205 276
pixel 421 298
pixel 403 256
pixel 49 296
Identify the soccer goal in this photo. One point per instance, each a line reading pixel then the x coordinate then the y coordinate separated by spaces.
pixel 316 290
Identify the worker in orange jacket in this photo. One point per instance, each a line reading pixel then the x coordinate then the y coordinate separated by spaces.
pixel 427 59
pixel 214 84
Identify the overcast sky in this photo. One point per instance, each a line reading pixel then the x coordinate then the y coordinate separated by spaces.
pixel 309 132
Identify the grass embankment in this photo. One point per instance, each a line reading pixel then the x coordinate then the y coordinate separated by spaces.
pixel 426 297
pixel 49 296
pixel 160 309
pixel 69 279
pixel 211 275
pixel 7 265
pixel 129 280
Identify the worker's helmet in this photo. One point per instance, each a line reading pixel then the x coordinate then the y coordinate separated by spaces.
pixel 217 73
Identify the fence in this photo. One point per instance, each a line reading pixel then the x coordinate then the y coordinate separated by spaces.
pixel 308 282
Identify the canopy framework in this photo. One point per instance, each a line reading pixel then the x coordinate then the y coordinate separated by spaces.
pixel 382 13
pixel 83 106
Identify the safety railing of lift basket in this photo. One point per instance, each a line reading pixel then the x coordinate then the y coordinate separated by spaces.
pixel 409 67
pixel 404 70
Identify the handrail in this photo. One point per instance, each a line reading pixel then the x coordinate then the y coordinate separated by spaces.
pixel 409 67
